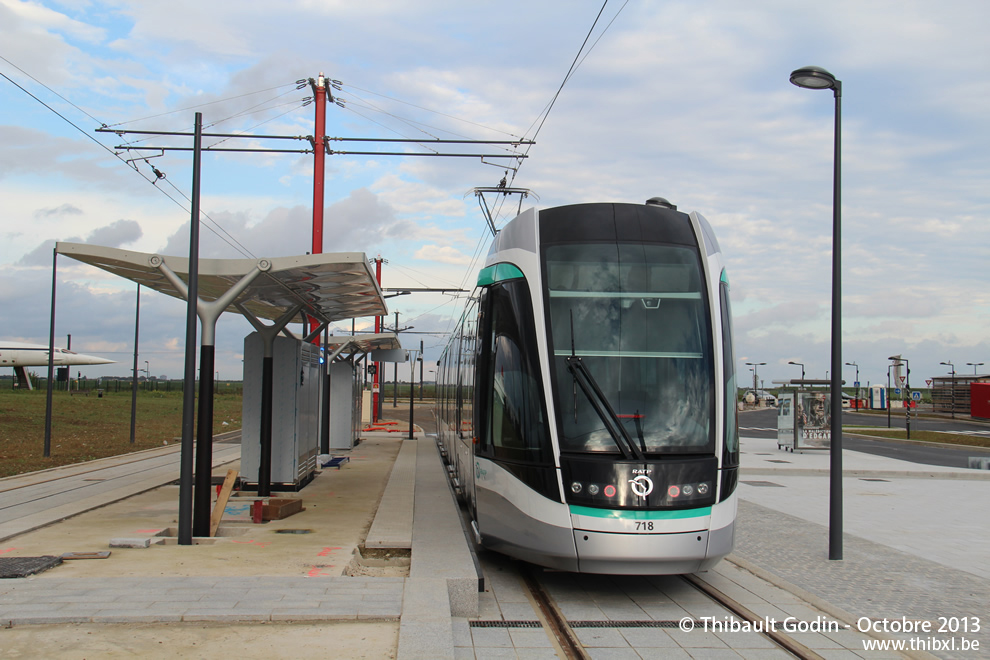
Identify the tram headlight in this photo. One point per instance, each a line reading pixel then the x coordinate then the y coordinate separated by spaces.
pixel 688 491
pixel 576 487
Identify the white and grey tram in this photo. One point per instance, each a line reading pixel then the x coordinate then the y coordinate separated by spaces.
pixel 587 400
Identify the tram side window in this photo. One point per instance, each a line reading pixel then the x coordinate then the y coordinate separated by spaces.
pixel 518 422
pixel 731 443
pixel 466 377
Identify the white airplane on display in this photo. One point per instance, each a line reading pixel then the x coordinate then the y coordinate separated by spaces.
pixel 19 355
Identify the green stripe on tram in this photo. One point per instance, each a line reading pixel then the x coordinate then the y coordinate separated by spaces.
pixel 640 515
pixel 498 273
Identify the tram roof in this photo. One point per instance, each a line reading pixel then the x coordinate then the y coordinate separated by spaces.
pixel 331 286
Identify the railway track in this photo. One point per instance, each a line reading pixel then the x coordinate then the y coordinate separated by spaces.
pixel 565 634
pixel 35 500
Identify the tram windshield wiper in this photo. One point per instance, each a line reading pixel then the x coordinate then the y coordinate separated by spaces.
pixel 601 406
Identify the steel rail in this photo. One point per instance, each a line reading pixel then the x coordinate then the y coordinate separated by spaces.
pixel 553 620
pixel 782 640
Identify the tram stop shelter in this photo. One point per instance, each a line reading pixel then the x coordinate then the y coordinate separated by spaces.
pixel 325 287
pixel 804 415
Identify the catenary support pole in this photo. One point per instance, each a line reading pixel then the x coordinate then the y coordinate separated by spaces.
pixel 376 395
pixel 412 394
pixel 189 373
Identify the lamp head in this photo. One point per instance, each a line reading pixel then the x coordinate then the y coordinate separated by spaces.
pixel 815 77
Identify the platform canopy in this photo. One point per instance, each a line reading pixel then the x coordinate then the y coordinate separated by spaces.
pixel 331 286
pixel 366 343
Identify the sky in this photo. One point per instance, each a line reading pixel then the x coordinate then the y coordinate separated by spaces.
pixel 689 100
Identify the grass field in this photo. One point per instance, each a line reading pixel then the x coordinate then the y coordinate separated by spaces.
pixel 89 427
pixel 924 436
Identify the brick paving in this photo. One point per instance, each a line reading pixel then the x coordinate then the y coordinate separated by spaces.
pixel 872 580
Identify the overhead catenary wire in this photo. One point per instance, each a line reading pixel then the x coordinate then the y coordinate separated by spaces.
pixel 198 105
pixel 541 119
pixel 153 181
pixel 575 65
pixel 442 114
pixel 46 87
pixel 297 106
pixel 412 122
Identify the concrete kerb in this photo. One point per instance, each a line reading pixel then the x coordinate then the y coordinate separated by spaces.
pixel 393 523
pixel 439 545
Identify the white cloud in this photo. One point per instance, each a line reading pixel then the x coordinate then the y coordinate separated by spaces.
pixel 443 254
pixel 685 100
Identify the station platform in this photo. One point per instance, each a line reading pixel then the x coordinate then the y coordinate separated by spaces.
pixel 377 565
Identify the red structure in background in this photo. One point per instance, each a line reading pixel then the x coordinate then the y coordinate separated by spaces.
pixel 319 153
pixel 375 388
pixel 979 400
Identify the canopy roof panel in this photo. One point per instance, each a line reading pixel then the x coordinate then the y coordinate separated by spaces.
pixel 365 343
pixel 331 286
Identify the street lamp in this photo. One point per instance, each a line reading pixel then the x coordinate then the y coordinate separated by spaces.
pixel 813 77
pixel 907 370
pixel 756 390
pixel 889 367
pixel 907 388
pixel 974 365
pixel 953 371
pixel 799 365
pixel 853 364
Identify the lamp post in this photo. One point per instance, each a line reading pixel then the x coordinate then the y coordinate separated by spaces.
pixel 756 377
pixel 853 364
pixel 953 371
pixel 799 365
pixel 889 367
pixel 907 387
pixel 974 365
pixel 813 77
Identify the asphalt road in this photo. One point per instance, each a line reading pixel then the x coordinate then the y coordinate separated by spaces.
pixel 763 424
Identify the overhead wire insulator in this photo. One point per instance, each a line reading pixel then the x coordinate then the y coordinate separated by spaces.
pixel 159 175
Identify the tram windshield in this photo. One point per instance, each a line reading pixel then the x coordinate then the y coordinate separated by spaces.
pixel 636 317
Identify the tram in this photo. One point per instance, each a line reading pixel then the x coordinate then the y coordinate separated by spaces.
pixel 586 402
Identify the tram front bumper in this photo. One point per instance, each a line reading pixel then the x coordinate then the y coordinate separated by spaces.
pixel 641 554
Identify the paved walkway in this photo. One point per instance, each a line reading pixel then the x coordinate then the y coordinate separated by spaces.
pixel 915 548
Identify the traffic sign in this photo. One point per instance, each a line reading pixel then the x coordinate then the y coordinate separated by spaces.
pixel 916 395
pixel 902 379
pixel 897 390
pixel 929 382
pixel 856 384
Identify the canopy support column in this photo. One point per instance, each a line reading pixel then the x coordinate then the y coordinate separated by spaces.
pixel 208 312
